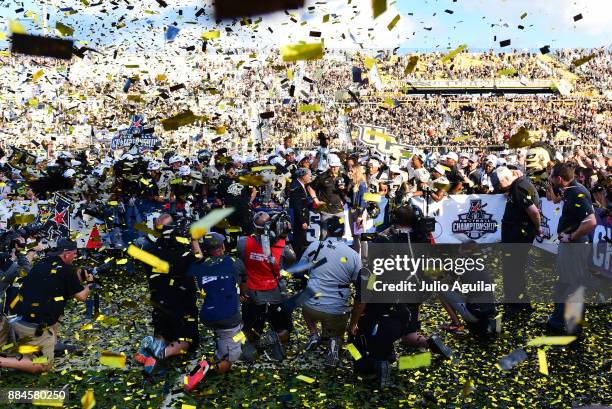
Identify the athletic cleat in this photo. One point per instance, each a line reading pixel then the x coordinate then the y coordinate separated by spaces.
pixel 313 341
pixel 144 350
pixel 195 376
pixel 149 365
pixel 332 358
pixel 436 345
pixel 454 327
pixel 158 348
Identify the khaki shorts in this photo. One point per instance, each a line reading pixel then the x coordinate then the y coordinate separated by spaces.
pixel 332 325
pixel 228 344
pixel 4 330
pixel 46 342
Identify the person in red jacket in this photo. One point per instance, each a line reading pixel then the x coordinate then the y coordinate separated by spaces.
pixel 263 255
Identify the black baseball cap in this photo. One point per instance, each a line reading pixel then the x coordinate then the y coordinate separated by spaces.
pixel 65 244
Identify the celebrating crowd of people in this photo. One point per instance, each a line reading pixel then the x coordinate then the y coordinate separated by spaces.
pixel 271 182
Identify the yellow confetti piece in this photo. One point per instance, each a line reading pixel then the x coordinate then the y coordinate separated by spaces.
pixel 15 301
pixel 64 30
pixel 145 182
pixel 122 261
pixel 86 327
pixel 161 77
pixel 580 61
pixel 297 52
pixel 60 298
pixel 305 379
pixel 507 72
pixel 354 352
pixel 415 361
pixel 453 53
pixel 211 35
pixel 88 400
pixel 113 203
pixel 183 240
pixel 48 402
pixel 378 7
pixel 369 62
pixel 372 197
pixel 310 108
pixel 560 340
pixel 16 27
pixel 542 362
pixel 7 346
pixel 393 22
pixel 32 102
pixel 112 359
pixel 40 360
pixel 203 226
pixel 37 75
pixel 343 259
pixel 290 74
pixel 2 36
pixel 240 337
pixel 175 122
pixel 28 349
pixel 159 265
pixel 186 406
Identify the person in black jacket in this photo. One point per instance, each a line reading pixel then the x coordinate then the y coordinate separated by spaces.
pixel 300 205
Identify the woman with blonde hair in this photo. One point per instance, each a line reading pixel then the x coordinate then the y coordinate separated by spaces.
pixel 357 204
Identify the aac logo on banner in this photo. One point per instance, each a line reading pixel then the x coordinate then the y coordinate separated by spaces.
pixel 476 222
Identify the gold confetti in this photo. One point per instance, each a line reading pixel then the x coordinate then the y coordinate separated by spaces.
pixel 354 352
pixel 28 349
pixel 310 108
pixel 159 265
pixel 64 30
pixel 580 61
pixel 297 52
pixel 393 22
pixel 542 361
pixel 211 35
pixel 372 197
pixel 88 400
pixel 453 53
pixel 112 359
pixel 203 226
pixel 414 361
pixel 378 7
pixel 412 63
pixel 305 379
pixel 555 340
pixel 175 122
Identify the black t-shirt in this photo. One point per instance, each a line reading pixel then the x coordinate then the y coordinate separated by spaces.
pixel 522 195
pixel 174 290
pixel 46 290
pixel 327 188
pixel 235 194
pixel 577 206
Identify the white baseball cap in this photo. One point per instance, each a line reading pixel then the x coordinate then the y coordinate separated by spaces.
pixel 184 170
pixel 69 173
pixel 464 155
pixel 333 160
pixel 453 156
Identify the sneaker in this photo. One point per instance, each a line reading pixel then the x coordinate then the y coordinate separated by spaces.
pixel 270 339
pixel 332 358
pixel 149 365
pixel 436 345
pixel 144 350
pixel 195 376
pixel 158 348
pixel 454 327
pixel 313 341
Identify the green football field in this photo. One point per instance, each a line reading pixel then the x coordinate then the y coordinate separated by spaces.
pixel 579 374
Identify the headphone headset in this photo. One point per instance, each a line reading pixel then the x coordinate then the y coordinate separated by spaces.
pixel 277 227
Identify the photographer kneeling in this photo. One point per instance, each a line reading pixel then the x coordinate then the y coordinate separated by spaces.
pixel 376 326
pixel 40 303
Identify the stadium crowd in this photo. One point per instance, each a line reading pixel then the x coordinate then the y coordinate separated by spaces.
pixel 271 183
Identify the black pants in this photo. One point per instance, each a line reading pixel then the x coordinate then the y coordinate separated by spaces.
pixel 378 332
pixel 515 261
pixel 299 241
pixel 255 316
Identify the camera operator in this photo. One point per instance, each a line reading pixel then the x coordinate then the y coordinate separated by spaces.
pixel 218 276
pixel 40 302
pixel 375 327
pixel 576 223
pixel 330 189
pixel 263 254
pixel 332 281
pixel 173 296
pixel 520 224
